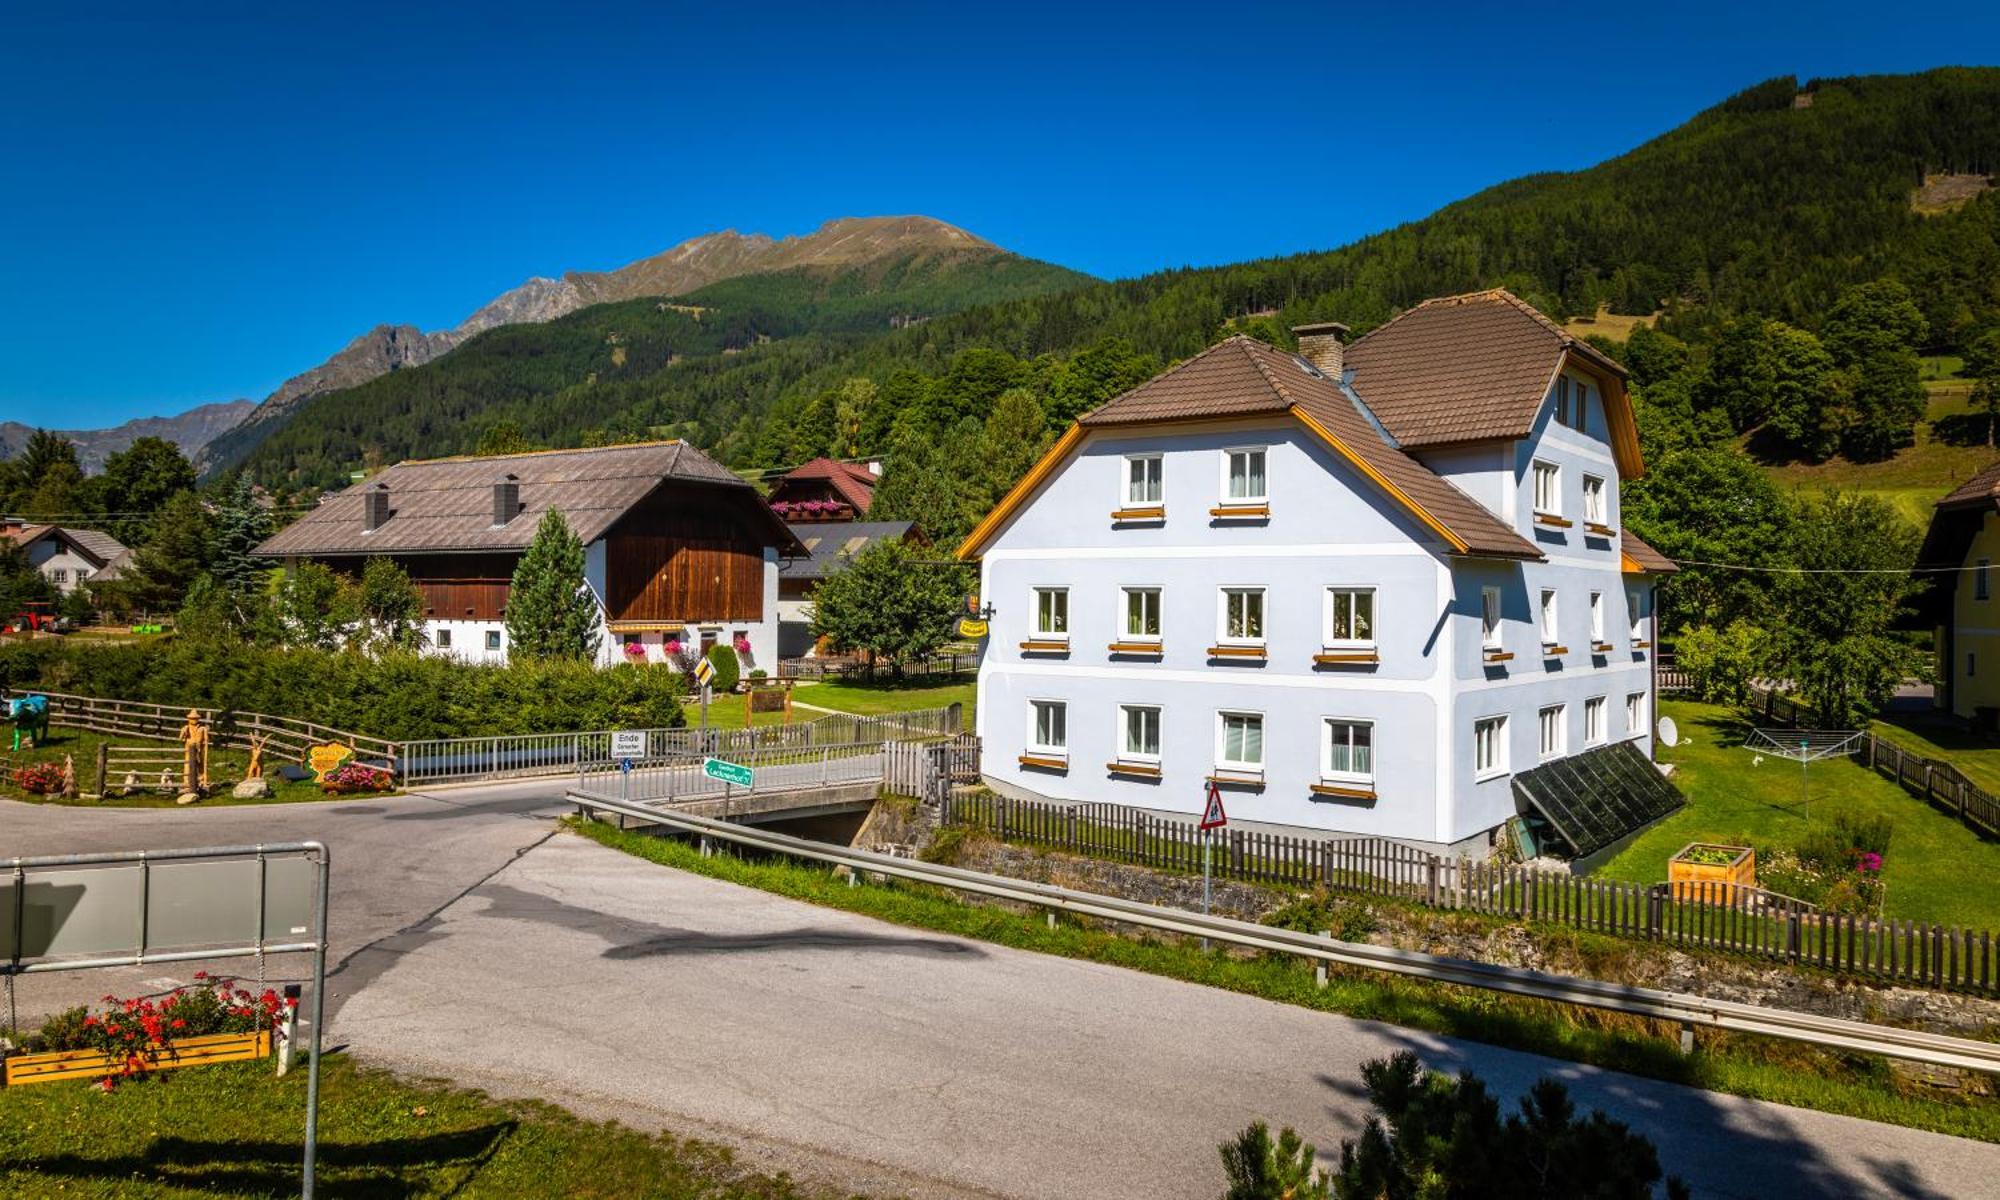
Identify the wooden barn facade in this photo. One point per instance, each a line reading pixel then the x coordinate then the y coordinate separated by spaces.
pixel 676 546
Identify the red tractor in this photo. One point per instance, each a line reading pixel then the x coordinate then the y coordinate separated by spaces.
pixel 36 616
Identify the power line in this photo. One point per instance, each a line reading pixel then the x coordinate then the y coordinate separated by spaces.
pixel 1700 562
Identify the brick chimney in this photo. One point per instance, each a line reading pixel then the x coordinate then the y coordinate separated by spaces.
pixel 506 499
pixel 1324 346
pixel 375 507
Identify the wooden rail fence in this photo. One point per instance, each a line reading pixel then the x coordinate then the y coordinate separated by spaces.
pixel 1711 916
pixel 285 737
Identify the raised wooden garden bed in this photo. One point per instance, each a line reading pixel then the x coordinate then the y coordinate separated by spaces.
pixel 1711 873
pixel 92 1064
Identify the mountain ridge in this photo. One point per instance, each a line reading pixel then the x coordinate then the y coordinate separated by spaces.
pixel 190 430
pixel 684 267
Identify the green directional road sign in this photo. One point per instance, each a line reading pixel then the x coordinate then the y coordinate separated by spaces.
pixel 727 772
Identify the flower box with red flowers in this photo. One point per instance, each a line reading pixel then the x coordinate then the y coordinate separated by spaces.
pixel 356 777
pixel 211 1022
pixel 39 779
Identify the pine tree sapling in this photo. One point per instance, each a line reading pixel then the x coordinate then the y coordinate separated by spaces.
pixel 551 611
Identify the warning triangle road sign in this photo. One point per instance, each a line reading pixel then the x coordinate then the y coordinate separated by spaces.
pixel 1212 816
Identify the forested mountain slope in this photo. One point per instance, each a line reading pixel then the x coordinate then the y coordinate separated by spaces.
pixel 1769 207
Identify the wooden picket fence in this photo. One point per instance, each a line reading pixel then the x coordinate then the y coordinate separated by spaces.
pixel 929 770
pixel 1939 784
pixel 1714 916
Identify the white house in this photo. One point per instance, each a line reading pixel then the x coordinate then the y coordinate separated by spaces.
pixel 676 546
pixel 1362 589
pixel 66 556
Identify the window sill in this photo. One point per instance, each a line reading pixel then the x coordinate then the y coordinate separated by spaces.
pixel 1498 656
pixel 1345 790
pixel 1332 656
pixel 1142 769
pixel 1258 653
pixel 1240 512
pixel 1490 776
pixel 1045 762
pixel 1552 521
pixel 1229 776
pixel 1150 513
pixel 1599 529
pixel 1600 648
pixel 1044 646
pixel 1553 650
pixel 1642 645
pixel 1147 649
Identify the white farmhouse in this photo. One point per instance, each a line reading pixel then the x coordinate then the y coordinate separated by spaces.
pixel 66 556
pixel 1363 589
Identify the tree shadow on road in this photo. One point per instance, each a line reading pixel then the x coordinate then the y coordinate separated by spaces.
pixel 633 939
pixel 1719 1144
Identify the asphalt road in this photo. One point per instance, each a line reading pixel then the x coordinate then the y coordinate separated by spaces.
pixel 477 946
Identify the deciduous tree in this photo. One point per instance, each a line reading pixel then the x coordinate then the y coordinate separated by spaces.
pixel 889 604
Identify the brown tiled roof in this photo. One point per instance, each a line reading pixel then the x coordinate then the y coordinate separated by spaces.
pixel 1245 377
pixel 853 483
pixel 1983 488
pixel 1463 368
pixel 446 504
pixel 95 544
pixel 1644 557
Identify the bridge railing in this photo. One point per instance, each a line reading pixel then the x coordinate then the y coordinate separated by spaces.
pixel 772 769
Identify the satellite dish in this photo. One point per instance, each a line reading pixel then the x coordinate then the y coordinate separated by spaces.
pixel 1669 735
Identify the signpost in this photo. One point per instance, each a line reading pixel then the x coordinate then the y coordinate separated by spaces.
pixel 628 743
pixel 704 674
pixel 1212 819
pixel 726 771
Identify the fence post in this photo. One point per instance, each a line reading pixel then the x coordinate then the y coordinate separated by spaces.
pixel 1794 935
pixel 1432 889
pixel 1653 914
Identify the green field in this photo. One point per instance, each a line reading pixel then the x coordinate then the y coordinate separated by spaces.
pixel 1919 476
pixel 225 768
pixel 234 1131
pixel 883 696
pixel 1935 870
pixel 1977 756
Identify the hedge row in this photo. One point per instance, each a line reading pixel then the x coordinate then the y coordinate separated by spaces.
pixel 396 696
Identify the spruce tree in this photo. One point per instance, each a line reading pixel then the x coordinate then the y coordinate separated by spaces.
pixel 550 610
pixel 240 527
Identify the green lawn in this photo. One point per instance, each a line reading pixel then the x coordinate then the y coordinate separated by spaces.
pixel 1918 475
pixel 225 768
pixel 235 1130
pixel 1978 757
pixel 1936 869
pixel 884 696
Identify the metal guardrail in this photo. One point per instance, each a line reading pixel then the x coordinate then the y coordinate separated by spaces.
pixel 777 769
pixel 1691 1012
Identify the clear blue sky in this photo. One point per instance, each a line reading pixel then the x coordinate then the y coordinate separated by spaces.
pixel 195 207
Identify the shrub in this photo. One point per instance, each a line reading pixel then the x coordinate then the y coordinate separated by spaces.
pixel 1438 1136
pixel 397 695
pixel 727 669
pixel 1349 920
pixel 356 777
pixel 1721 664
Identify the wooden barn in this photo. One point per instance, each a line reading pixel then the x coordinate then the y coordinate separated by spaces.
pixel 676 546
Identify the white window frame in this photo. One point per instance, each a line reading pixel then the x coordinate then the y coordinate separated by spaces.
pixel 1124 626
pixel 1493 731
pixel 1125 751
pixel 1234 766
pixel 1637 615
pixel 1562 399
pixel 1579 404
pixel 59 576
pixel 1326 772
pixel 1593 720
pixel 1492 622
pixel 495 643
pixel 1374 615
pixel 1551 618
pixel 1554 493
pixel 1597 618
pixel 1228 458
pixel 1635 713
pixel 1046 635
pixel 1034 738
pixel 441 639
pixel 1222 634
pixel 1552 747
pixel 1981 584
pixel 1595 510
pixel 1130 485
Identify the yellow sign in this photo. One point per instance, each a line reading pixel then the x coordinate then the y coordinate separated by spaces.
pixel 323 759
pixel 970 628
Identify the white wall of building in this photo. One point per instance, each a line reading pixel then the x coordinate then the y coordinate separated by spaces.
pixel 59 562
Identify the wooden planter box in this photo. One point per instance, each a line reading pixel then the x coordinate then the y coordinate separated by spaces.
pixel 185 1052
pixel 1714 883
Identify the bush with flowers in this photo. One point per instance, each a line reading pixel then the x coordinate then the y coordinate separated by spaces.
pixel 39 779
pixel 635 652
pixel 1836 865
pixel 137 1032
pixel 356 777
